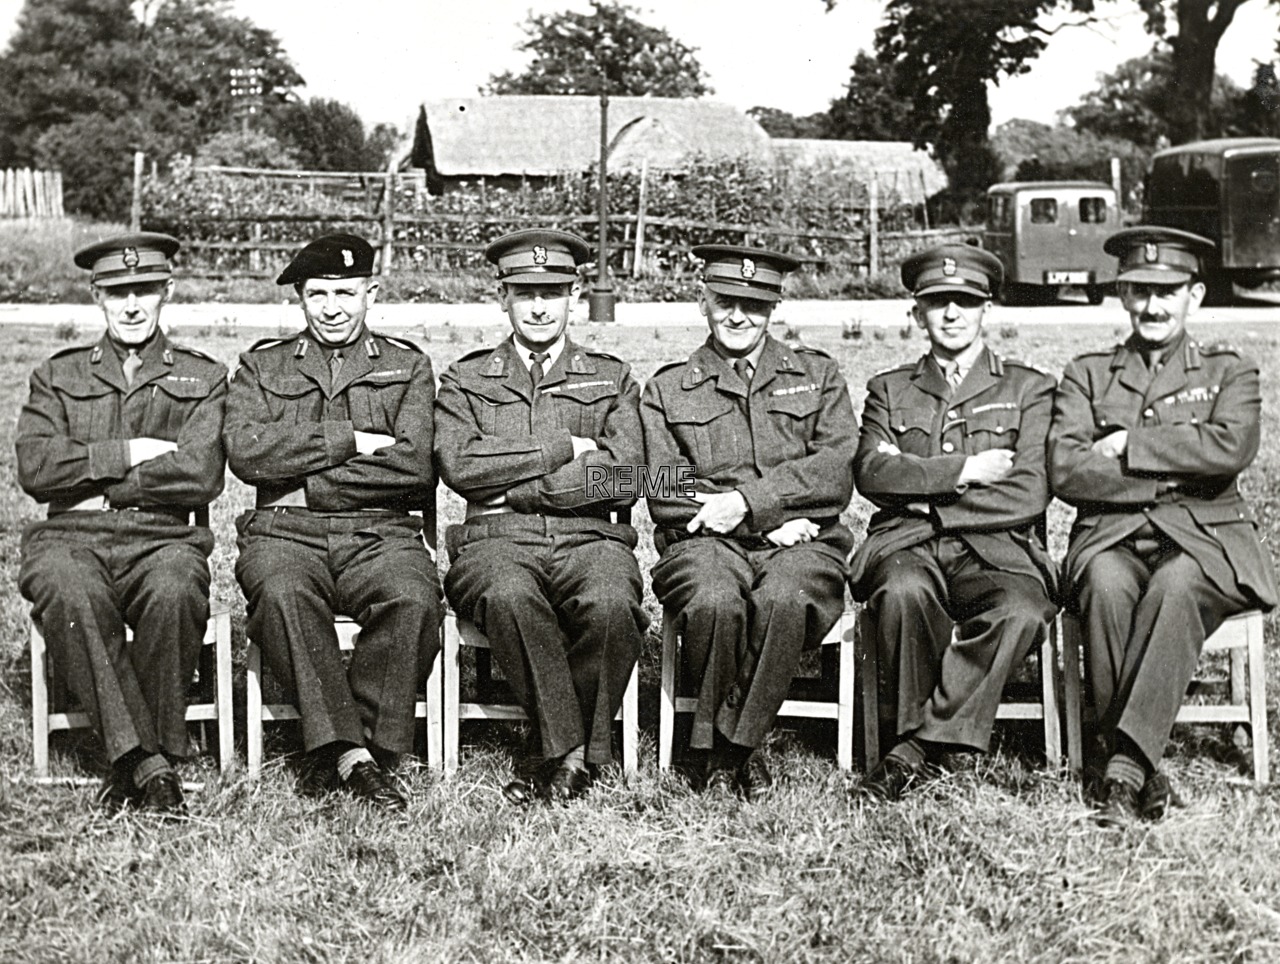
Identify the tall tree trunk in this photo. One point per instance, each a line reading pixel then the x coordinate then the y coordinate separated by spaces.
pixel 1201 24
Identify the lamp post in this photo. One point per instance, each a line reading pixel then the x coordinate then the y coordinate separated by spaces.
pixel 602 299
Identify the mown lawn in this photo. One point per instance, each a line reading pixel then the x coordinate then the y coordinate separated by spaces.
pixel 999 862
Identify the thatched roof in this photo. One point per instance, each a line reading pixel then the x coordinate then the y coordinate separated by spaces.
pixel 493 136
pixel 910 174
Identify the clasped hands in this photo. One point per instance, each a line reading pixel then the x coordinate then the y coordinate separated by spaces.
pixel 722 512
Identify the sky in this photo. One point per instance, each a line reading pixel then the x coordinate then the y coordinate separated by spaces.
pixel 384 57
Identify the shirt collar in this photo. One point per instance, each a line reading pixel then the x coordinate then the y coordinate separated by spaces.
pixel 964 361
pixel 554 351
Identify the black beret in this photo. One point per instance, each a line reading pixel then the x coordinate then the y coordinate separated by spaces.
pixel 330 256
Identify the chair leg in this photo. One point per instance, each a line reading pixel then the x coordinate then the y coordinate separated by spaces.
pixel 450 679
pixel 1072 692
pixel 1258 700
pixel 869 671
pixel 39 703
pixel 253 708
pixel 631 724
pixel 1049 685
pixel 435 713
pixel 845 708
pixel 667 704
pixel 223 695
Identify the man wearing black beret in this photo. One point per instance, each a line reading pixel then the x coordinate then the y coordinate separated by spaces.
pixel 333 427
pixel 752 562
pixel 952 455
pixel 1148 439
pixel 123 440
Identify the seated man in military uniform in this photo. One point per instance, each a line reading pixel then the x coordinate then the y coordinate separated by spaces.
pixel 123 440
pixel 540 564
pixel 333 427
pixel 952 454
pixel 752 561
pixel 1147 442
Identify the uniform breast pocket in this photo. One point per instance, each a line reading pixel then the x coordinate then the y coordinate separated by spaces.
pixel 291 398
pixel 707 432
pixel 582 408
pixel 375 402
pixel 911 427
pixel 172 402
pixel 795 416
pixel 992 429
pixel 1111 418
pixel 91 409
pixel 1184 413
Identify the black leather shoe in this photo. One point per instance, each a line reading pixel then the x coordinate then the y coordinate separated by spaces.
pixel 755 779
pixel 721 781
pixel 118 792
pixel 369 782
pixel 1119 806
pixel 567 783
pixel 520 792
pixel 162 794
pixel 1157 796
pixel 891 779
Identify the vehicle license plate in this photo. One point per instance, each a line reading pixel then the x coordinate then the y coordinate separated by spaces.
pixel 1066 277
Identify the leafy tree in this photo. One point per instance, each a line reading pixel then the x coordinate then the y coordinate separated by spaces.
pixel 327 135
pixel 780 123
pixel 1260 104
pixel 87 82
pixel 871 108
pixel 1031 151
pixel 245 148
pixel 1145 101
pixel 571 51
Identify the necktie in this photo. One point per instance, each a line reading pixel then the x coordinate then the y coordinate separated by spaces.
pixel 1153 358
pixel 131 365
pixel 954 378
pixel 335 364
pixel 743 368
pixel 535 370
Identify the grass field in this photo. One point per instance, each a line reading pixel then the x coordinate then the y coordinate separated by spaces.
pixel 999 862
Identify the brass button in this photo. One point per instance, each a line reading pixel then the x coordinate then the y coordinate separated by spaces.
pixel 948 447
pixel 1149 413
pixel 953 414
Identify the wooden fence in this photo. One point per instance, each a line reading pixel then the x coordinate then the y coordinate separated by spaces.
pixel 25 193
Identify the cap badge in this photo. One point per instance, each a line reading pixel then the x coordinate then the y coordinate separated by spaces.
pixel 948 266
pixel 748 268
pixel 348 259
pixel 130 257
pixel 539 254
pixel 1151 252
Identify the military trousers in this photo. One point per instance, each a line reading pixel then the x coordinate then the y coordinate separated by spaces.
pixel 948 690
pixel 298 570
pixel 561 607
pixel 745 611
pixel 88 575
pixel 1146 608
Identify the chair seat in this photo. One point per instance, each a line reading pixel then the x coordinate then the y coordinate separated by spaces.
pixel 841 710
pixel 44 721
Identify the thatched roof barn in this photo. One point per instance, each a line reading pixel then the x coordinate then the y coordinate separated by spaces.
pixel 902 172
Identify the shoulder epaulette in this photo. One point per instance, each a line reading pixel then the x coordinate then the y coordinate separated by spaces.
pixel 1035 368
pixel 187 350
pixel 667 367
pixel 1220 348
pixel 399 342
pixel 1098 353
pixel 807 349
pixel 893 368
pixel 604 354
pixel 475 353
pixel 70 349
pixel 262 343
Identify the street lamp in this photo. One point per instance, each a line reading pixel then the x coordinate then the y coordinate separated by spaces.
pixel 602 299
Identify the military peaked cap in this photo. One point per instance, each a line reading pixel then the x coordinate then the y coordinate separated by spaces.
pixel 1153 254
pixel 953 267
pixel 744 272
pixel 129 258
pixel 538 256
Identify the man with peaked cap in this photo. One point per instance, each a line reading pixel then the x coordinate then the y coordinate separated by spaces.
pixel 1147 442
pixel 333 427
pixel 952 455
pixel 123 441
pixel 542 564
pixel 752 562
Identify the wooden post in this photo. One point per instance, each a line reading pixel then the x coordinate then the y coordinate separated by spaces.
pixel 1115 186
pixel 637 267
pixel 924 203
pixel 389 218
pixel 255 253
pixel 57 195
pixel 135 209
pixel 873 227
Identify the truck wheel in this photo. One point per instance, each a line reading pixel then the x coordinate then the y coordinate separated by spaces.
pixel 1094 294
